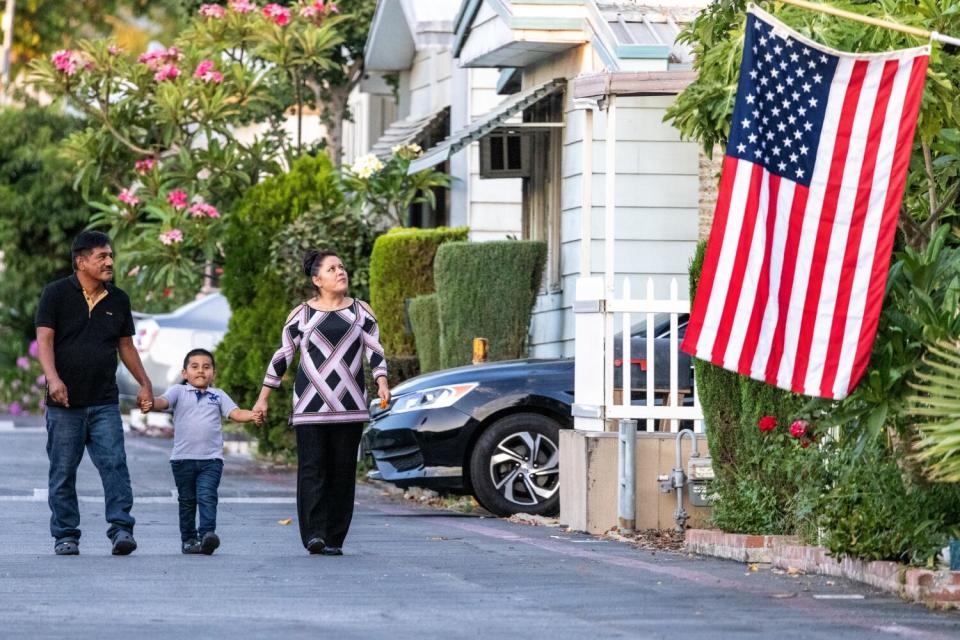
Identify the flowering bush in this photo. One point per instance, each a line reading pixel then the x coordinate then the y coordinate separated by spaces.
pixel 160 162
pixel 385 191
pixel 23 386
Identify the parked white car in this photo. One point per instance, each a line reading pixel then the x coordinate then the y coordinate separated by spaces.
pixel 164 339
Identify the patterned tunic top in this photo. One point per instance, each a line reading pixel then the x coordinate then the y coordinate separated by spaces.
pixel 330 385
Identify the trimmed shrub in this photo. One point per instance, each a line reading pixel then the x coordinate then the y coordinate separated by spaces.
pixel 401 267
pixel 719 392
pixel 258 298
pixel 487 290
pixel 425 318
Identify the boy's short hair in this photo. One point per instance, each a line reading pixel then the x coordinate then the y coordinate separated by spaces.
pixel 198 352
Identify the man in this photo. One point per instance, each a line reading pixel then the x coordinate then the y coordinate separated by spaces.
pixel 82 321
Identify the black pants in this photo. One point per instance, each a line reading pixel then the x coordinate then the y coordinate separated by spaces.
pixel 326 479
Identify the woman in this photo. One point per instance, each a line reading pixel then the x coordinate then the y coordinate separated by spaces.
pixel 332 332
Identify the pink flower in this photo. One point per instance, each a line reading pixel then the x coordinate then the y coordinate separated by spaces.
pixel 143 167
pixel 309 11
pixel 155 59
pixel 799 428
pixel 33 349
pixel 178 199
pixel 67 61
pixel 171 237
pixel 276 13
pixel 127 197
pixel 203 209
pixel 15 409
pixel 767 423
pixel 41 380
pixel 212 11
pixel 167 72
pixel 114 50
pixel 242 6
pixel 206 72
pixel 23 362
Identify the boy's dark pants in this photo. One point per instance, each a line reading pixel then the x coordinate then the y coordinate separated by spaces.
pixel 197 485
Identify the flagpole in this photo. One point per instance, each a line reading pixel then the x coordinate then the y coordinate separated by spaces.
pixel 886 24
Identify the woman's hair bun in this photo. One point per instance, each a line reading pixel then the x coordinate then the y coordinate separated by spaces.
pixel 310 262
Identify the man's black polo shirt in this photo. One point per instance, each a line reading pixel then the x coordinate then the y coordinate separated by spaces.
pixel 85 342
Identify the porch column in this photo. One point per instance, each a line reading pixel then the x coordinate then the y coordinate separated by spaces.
pixel 588 305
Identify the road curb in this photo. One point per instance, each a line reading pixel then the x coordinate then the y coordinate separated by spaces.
pixel 940 589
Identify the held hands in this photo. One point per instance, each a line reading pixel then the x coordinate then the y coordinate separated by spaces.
pixel 260 411
pixel 145 399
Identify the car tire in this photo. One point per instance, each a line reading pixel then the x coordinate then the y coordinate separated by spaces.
pixel 515 466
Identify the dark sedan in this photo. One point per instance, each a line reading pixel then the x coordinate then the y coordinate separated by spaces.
pixel 492 429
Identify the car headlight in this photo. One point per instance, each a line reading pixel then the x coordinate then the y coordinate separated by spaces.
pixel 434 398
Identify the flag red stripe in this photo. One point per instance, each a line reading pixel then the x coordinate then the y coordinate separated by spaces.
pixel 864 187
pixel 707 273
pixel 825 224
pixel 739 265
pixel 763 282
pixel 794 229
pixel 888 224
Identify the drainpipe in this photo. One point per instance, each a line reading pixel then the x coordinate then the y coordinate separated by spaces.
pixel 627 493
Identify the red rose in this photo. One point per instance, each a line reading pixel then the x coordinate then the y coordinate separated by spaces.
pixel 799 428
pixel 167 292
pixel 805 443
pixel 767 423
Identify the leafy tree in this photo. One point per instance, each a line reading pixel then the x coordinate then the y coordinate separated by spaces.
pixel 161 160
pixel 40 213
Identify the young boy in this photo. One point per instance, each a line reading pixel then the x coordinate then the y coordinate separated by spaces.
pixel 197 458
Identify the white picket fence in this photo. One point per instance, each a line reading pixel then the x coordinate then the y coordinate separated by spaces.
pixel 659 408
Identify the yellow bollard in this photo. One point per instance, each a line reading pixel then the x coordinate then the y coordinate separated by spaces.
pixel 480 348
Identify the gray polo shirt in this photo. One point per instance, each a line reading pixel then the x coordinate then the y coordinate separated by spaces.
pixel 196 421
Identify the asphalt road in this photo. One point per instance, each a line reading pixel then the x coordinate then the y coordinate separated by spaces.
pixel 408 572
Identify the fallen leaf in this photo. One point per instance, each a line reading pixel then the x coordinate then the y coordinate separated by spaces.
pixel 793 571
pixel 754 567
pixel 285 521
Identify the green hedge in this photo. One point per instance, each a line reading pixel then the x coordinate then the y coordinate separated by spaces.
pixel 755 493
pixel 487 290
pixel 258 299
pixel 401 267
pixel 425 318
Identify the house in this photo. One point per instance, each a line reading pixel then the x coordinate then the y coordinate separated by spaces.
pixel 606 183
pixel 563 59
pixel 415 92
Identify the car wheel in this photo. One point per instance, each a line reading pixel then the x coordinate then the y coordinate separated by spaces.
pixel 515 466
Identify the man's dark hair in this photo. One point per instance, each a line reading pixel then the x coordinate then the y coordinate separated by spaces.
pixel 86 242
pixel 198 352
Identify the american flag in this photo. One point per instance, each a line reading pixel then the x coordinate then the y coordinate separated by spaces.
pixel 796 264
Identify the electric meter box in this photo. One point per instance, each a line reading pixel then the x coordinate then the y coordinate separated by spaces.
pixel 699 477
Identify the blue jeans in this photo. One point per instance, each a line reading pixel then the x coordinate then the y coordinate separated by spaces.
pixel 197 485
pixel 99 430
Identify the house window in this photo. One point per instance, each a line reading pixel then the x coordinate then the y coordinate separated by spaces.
pixel 542 186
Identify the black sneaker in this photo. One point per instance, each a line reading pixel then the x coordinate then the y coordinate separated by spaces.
pixel 316 545
pixel 332 551
pixel 67 548
pixel 209 543
pixel 190 546
pixel 123 543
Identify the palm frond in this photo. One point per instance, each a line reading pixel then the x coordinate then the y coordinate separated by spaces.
pixel 937 403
